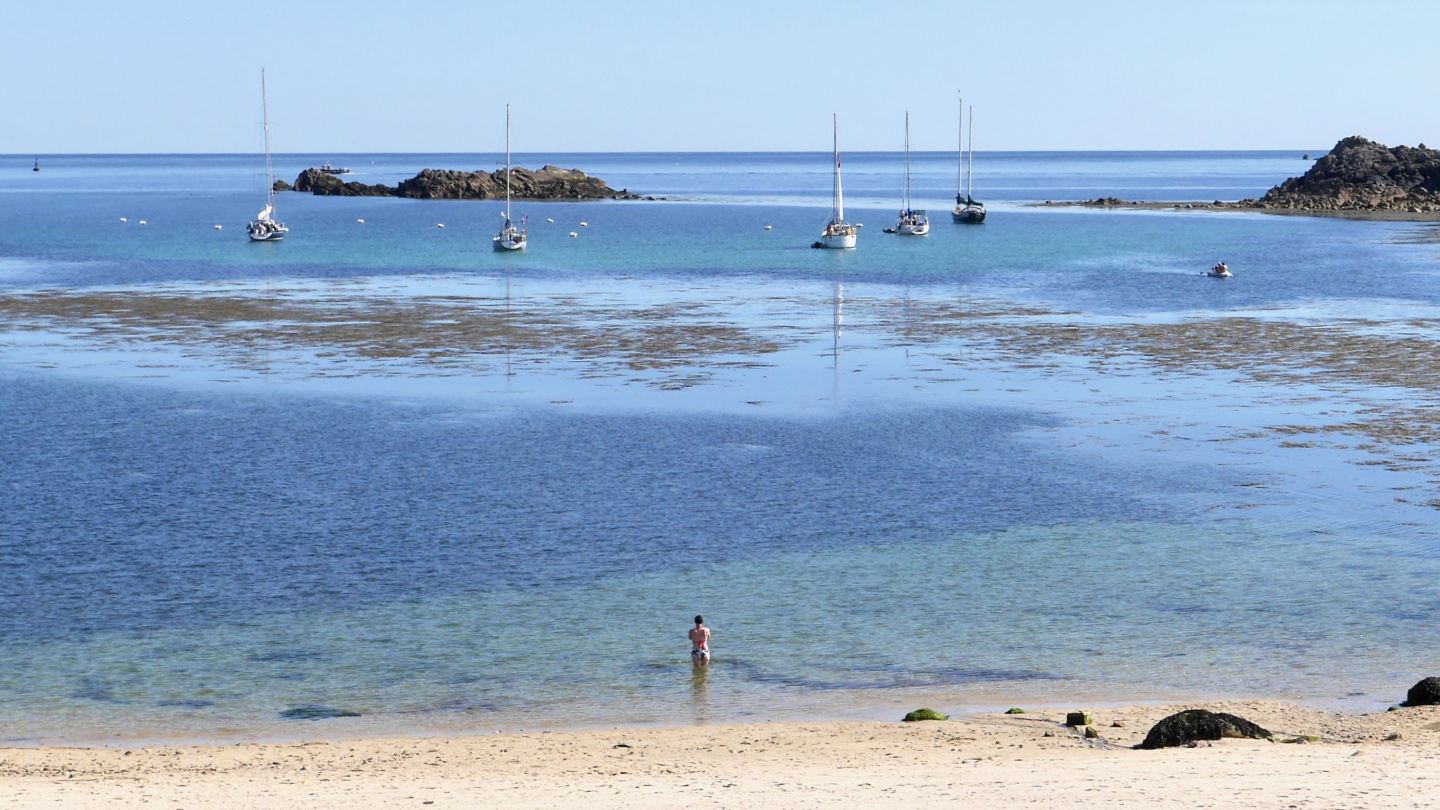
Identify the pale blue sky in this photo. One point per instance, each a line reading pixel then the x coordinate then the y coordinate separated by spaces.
pixel 158 76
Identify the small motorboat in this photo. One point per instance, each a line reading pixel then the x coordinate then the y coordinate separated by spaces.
pixel 328 169
pixel 1220 270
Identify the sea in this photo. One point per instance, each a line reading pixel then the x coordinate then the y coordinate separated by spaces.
pixel 380 480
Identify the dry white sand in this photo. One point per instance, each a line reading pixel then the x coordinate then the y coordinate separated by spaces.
pixel 987 760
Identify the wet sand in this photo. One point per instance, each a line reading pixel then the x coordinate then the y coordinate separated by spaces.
pixel 1386 759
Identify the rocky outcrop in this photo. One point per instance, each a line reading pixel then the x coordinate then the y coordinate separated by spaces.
pixel 549 183
pixel 1195 725
pixel 1361 175
pixel 1424 693
pixel 328 185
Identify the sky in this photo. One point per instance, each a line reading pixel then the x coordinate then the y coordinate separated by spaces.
pixel 359 76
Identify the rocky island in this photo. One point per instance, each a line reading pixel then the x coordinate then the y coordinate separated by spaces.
pixel 1358 179
pixel 1361 175
pixel 550 183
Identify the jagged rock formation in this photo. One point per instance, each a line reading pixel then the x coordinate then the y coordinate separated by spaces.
pixel 550 183
pixel 1361 175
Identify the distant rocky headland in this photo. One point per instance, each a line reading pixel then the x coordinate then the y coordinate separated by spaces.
pixel 550 183
pixel 1359 178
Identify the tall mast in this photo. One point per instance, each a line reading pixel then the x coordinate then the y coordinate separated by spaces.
pixel 265 118
pixel 960 156
pixel 906 201
pixel 970 176
pixel 839 204
pixel 507 165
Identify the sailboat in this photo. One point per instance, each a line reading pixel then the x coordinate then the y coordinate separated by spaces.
pixel 912 223
pixel 511 237
pixel 967 209
pixel 838 233
pixel 37 165
pixel 266 228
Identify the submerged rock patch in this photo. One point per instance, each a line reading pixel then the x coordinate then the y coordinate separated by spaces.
pixel 316 713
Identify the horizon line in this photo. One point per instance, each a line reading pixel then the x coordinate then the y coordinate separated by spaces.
pixel 31 155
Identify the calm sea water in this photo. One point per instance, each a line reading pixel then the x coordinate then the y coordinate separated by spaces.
pixel 188 549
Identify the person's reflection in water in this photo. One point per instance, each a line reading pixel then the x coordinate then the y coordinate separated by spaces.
pixel 700 691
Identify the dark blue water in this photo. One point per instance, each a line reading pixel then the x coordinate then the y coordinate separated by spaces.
pixel 129 509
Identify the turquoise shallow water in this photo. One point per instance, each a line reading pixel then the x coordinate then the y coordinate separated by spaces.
pixel 192 545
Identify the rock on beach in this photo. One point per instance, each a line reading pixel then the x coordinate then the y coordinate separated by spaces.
pixel 1199 725
pixel 1424 693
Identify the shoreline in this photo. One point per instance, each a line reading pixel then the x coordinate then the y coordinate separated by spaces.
pixel 1000 760
pixel 1181 206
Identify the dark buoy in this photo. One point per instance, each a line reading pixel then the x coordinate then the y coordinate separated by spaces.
pixel 37 165
pixel 1307 156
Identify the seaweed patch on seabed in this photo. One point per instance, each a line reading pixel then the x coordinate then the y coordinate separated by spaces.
pixel 332 332
pixel 1345 356
pixel 444 335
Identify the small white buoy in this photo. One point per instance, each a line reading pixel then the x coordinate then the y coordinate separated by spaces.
pixel 584 224
pixel 859 224
pixel 361 221
pixel 769 228
pixel 572 233
pixel 549 220
pixel 123 219
pixel 439 224
pixel 142 222
pixel 217 227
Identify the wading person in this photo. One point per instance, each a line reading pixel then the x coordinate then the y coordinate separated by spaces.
pixel 700 643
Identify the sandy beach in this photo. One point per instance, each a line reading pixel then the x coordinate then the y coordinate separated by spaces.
pixel 1384 759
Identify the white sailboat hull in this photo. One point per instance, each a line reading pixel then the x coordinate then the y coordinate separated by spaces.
pixel 838 241
pixel 504 244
